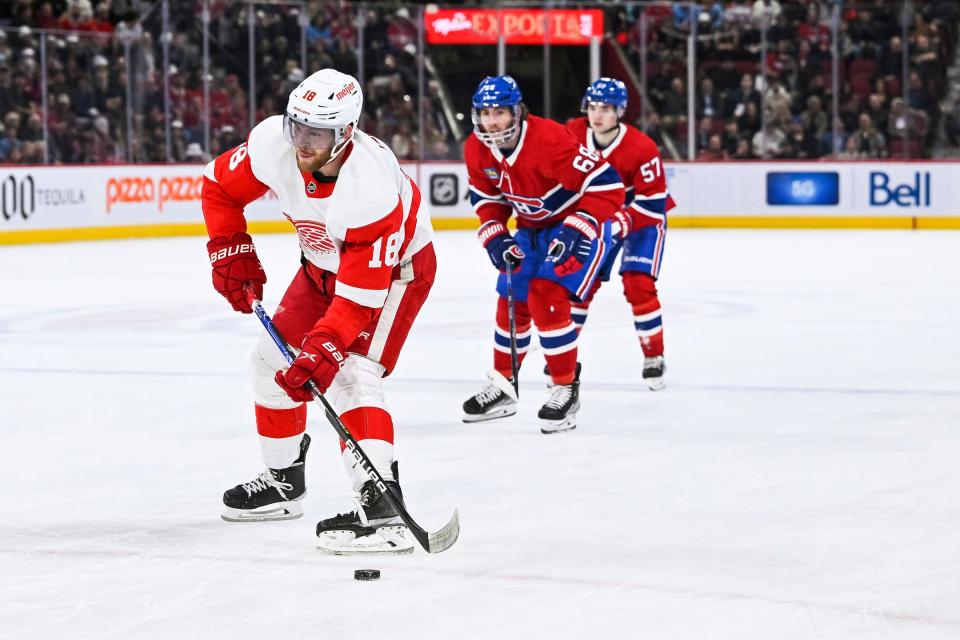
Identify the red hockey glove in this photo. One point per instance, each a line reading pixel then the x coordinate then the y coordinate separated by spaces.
pixel 500 245
pixel 625 220
pixel 571 246
pixel 235 263
pixel 321 358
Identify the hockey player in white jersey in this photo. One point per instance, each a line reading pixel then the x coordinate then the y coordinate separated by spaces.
pixel 367 267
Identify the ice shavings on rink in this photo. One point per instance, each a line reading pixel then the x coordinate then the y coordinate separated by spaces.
pixel 797 479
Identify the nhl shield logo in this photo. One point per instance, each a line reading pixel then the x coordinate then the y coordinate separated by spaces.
pixel 444 189
pixel 311 188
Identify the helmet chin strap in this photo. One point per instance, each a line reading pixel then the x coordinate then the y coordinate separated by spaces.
pixel 338 149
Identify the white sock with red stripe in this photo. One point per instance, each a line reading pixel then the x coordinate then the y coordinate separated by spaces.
pixel 281 431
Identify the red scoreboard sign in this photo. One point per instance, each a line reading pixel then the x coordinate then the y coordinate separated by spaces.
pixel 519 26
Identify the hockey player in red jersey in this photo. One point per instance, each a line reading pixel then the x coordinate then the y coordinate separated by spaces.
pixel 367 266
pixel 563 196
pixel 642 219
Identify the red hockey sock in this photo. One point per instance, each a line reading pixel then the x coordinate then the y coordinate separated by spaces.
pixel 501 342
pixel 281 423
pixel 550 307
pixel 641 292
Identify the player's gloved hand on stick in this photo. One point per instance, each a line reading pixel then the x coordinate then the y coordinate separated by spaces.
pixel 235 263
pixel 321 358
pixel 500 245
pixel 571 246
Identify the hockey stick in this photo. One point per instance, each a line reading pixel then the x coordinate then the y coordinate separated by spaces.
pixel 431 542
pixel 512 320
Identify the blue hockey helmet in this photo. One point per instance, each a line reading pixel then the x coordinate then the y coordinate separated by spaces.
pixel 497 91
pixel 606 91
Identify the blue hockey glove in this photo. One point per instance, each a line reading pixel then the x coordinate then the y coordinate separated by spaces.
pixel 500 245
pixel 571 247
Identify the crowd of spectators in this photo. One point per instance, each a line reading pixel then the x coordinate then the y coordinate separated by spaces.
pixel 100 57
pixel 877 116
pixel 105 79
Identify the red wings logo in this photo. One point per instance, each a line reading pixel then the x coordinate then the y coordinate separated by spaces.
pixel 314 236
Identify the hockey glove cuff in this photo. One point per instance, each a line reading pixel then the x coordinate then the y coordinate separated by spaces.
pixel 500 245
pixel 572 245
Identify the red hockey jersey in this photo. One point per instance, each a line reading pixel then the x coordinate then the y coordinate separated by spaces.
pixel 636 158
pixel 546 177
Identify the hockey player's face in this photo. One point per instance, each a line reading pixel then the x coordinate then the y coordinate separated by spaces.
pixel 602 116
pixel 494 119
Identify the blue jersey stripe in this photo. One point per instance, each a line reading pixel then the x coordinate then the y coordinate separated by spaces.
pixel 649 324
pixel 605 178
pixel 552 342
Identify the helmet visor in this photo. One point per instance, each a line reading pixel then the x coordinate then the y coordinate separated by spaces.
pixel 306 137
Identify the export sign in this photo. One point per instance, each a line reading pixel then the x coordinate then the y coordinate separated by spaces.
pixel 519 26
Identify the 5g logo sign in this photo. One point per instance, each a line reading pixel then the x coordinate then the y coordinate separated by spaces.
pixel 18 197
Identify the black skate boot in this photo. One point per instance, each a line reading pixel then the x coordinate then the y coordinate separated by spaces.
pixel 373 529
pixel 546 372
pixel 274 495
pixel 492 402
pixel 559 413
pixel 653 370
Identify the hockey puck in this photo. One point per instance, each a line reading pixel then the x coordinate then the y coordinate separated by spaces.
pixel 366 574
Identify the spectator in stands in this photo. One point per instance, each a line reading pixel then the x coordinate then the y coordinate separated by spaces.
pixel 766 9
pixel 870 143
pixel 800 143
pixel 731 137
pixel 704 131
pixel 813 30
pixel 777 96
pixel 751 120
pixel 814 119
pixel 918 96
pixel 404 143
pixel 10 144
pixel 890 63
pixel 714 149
pixel 768 143
pixel 851 150
pixel 653 129
pixel 736 100
pixel 905 122
pixel 743 151
pixel 924 57
pixel 674 107
pixel 77 17
pixel 708 102
pixel 7 101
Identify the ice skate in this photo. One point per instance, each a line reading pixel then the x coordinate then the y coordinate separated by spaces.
pixel 559 413
pixel 373 529
pixel 274 495
pixel 496 400
pixel 653 370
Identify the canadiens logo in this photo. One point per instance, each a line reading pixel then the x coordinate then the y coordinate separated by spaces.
pixel 491 173
pixel 311 188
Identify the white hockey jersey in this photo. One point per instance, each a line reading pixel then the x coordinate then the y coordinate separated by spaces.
pixel 359 227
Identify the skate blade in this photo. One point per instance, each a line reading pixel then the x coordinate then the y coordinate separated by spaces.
pixel 558 426
pixel 655 384
pixel 386 541
pixel 280 511
pixel 503 412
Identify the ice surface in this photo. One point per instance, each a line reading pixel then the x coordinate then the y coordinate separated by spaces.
pixel 797 479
